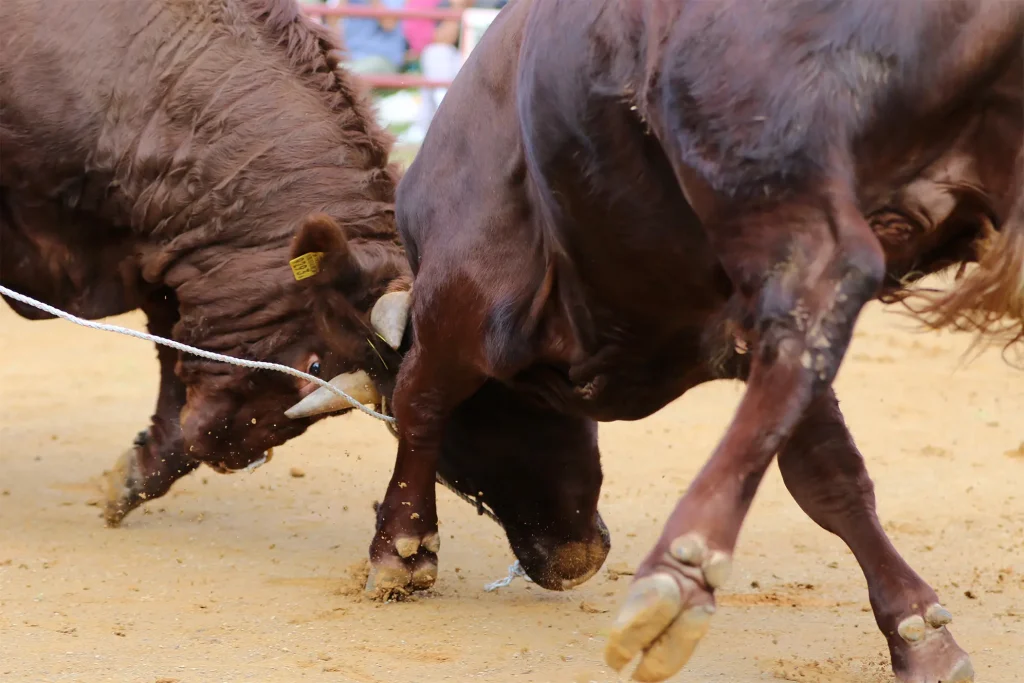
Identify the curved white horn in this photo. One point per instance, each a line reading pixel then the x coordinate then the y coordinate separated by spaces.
pixel 358 385
pixel 390 315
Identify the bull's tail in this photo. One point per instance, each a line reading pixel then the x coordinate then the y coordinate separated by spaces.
pixel 989 301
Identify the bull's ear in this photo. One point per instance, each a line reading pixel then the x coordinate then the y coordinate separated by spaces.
pixel 320 246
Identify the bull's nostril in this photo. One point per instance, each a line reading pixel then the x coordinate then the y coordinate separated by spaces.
pixel 560 565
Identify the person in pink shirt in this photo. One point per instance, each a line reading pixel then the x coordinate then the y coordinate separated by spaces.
pixel 435 44
pixel 419 32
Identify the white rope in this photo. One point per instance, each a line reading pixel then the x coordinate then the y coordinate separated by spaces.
pixel 241 362
pixel 514 570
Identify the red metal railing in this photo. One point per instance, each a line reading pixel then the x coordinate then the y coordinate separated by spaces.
pixel 388 81
pixel 366 12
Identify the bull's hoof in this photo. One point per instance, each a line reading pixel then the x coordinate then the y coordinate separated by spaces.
pixel 923 650
pixel 124 488
pixel 404 567
pixel 668 611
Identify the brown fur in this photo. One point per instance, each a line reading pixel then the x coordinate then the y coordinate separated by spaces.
pixel 656 186
pixel 167 154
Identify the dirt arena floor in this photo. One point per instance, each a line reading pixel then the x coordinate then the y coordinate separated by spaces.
pixel 256 577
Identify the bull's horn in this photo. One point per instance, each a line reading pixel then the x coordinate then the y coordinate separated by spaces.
pixel 390 315
pixel 358 385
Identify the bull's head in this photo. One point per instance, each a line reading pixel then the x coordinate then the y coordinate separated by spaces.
pixel 365 337
pixel 346 303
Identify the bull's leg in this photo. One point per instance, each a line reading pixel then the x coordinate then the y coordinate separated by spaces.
pixel 157 459
pixel 804 308
pixel 403 553
pixel 826 475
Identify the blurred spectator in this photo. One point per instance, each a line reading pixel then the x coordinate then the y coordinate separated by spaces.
pixel 436 45
pixel 419 32
pixel 372 46
pixel 329 22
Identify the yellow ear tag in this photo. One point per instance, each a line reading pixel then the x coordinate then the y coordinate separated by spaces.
pixel 306 265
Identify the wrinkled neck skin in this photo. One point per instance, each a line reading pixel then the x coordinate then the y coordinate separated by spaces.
pixel 228 290
pixel 246 138
pixel 228 262
pixel 232 291
pixel 225 252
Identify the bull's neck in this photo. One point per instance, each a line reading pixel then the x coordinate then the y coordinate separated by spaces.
pixel 229 268
pixel 217 191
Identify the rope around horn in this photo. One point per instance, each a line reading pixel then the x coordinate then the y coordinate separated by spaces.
pixel 514 570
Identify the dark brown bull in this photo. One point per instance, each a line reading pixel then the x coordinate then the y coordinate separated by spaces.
pixel 171 156
pixel 618 201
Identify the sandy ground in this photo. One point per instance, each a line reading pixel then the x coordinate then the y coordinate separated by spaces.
pixel 255 577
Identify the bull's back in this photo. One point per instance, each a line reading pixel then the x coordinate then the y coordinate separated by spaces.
pixel 62 64
pixel 115 99
pixel 89 90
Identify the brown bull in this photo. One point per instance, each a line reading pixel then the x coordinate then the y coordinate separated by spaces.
pixel 171 156
pixel 619 200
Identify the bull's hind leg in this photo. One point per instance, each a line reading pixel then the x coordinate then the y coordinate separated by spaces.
pixel 808 267
pixel 157 459
pixel 826 475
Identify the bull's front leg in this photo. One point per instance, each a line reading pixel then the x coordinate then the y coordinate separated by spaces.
pixel 403 553
pixel 825 473
pixel 804 311
pixel 157 459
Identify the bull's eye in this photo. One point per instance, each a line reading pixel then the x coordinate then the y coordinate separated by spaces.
pixel 314 368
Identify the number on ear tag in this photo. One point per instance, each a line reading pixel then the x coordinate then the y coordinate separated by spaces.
pixel 306 265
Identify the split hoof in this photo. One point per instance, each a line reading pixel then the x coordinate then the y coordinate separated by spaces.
pixel 657 624
pixel 387 581
pixel 408 565
pixel 924 650
pixel 961 672
pixel 123 490
pixel 390 580
pixel 424 576
pixel 667 613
